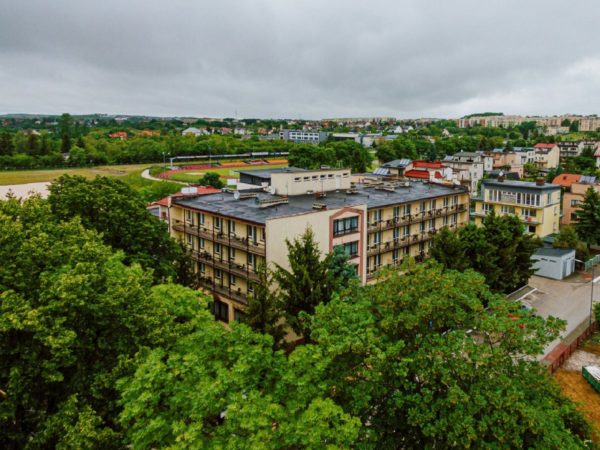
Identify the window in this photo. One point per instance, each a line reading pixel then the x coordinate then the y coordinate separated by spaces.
pixel 217 223
pixel 453 219
pixel 432 225
pixel 396 233
pixel 376 216
pixel 422 207
pixel 221 311
pixel 376 261
pixel 507 209
pixel 549 198
pixel 405 251
pixel 231 253
pixel 351 249
pixel 405 231
pixel 396 255
pixel 345 226
pixel 422 227
pixel 238 315
pixel 231 224
pixel 531 228
pixel 231 279
pixel 433 203
pixel 529 213
pixel 396 212
pixel 218 274
pixel 446 201
pixel 201 218
pixel 306 178
pixel 575 202
pixel 445 221
pixel 217 248
pixel 202 268
pixel 189 217
pixel 377 238
pixel 421 247
pixel 297 179
pixel 251 230
pixel 201 242
pixel 486 208
pixel 455 200
pixel 190 241
pixel 251 258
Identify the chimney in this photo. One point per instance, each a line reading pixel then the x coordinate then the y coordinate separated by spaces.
pixel 540 181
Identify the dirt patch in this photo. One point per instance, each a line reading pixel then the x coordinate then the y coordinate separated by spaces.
pixel 581 358
pixel 575 387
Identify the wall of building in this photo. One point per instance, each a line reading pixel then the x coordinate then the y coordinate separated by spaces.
pixel 300 183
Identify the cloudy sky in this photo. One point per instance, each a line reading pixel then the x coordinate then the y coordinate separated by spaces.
pixel 299 58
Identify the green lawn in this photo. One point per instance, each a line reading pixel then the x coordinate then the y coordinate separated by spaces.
pixel 36 176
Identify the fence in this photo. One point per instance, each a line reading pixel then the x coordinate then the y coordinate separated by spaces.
pixel 561 353
pixel 592 262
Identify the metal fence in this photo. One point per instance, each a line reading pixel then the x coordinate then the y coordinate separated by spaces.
pixel 555 360
pixel 592 262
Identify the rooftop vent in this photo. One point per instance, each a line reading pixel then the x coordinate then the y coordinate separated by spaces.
pixel 267 203
pixel 319 206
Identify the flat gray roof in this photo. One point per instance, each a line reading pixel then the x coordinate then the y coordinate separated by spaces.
pixel 266 173
pixel 520 184
pixel 551 251
pixel 250 210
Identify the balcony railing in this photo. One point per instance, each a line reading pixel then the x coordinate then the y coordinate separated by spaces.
pixel 243 270
pixel 418 217
pixel 230 292
pixel 216 235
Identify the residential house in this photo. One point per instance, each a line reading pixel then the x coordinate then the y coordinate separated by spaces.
pixel 570 149
pixel 573 198
pixel 469 167
pixel 303 137
pixel 547 156
pixel 230 234
pixel 537 204
pixel 194 132
pixel 118 135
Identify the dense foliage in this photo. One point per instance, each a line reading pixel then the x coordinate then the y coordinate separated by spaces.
pixel 588 217
pixel 499 250
pixel 72 316
pixel 113 209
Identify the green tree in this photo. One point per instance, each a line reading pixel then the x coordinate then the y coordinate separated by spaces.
pixel 212 179
pixel 424 364
pixel 6 144
pixel 306 284
pixel 567 238
pixel 265 312
pixel 219 388
pixel 588 218
pixel 341 273
pixel 65 123
pixel 72 316
pixel 448 249
pixel 112 208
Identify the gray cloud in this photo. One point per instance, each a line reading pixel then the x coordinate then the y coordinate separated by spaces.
pixel 290 58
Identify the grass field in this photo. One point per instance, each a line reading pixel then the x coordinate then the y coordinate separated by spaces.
pixel 36 176
pixel 193 175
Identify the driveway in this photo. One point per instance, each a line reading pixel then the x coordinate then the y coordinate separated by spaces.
pixel 568 299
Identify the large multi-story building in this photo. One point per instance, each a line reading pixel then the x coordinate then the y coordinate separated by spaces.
pixel 303 137
pixel 230 234
pixel 573 197
pixel 537 204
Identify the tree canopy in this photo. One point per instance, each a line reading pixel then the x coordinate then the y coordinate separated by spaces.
pixel 588 217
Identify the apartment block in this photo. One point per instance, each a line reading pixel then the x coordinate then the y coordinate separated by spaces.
pixel 536 204
pixel 302 136
pixel 231 233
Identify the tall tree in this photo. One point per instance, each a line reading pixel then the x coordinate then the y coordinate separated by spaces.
pixel 265 313
pixel 65 123
pixel 307 283
pixel 588 218
pixel 212 179
pixel 112 208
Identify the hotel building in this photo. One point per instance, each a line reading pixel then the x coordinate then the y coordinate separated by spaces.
pixel 378 224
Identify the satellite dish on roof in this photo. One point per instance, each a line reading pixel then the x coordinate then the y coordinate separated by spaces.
pixel 236 195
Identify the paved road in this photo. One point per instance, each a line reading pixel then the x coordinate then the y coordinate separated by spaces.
pixel 568 300
pixel 24 190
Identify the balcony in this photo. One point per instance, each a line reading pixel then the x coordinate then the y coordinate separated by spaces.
pixel 242 270
pixel 232 293
pixel 383 247
pixel 416 217
pixel 216 235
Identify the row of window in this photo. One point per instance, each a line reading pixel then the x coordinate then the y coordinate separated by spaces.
pixel 219 225
pixel 504 209
pixel 345 226
pixel 323 176
pixel 221 311
pixel 404 230
pixel 520 198
pixel 374 262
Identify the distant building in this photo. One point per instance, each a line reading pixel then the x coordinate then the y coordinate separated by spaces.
pixel 536 204
pixel 468 167
pixel 303 137
pixel 118 135
pixel 193 132
pixel 555 263
pixel 570 149
pixel 547 156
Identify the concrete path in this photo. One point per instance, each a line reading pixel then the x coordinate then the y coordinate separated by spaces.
pixel 147 176
pixel 25 190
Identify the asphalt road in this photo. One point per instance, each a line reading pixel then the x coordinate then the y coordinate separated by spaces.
pixel 568 299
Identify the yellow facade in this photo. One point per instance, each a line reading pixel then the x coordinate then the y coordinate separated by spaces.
pixel 538 206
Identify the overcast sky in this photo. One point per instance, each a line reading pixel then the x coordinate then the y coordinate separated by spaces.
pixel 292 58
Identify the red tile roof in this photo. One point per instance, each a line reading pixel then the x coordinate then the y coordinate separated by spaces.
pixel 428 165
pixel 542 145
pixel 566 179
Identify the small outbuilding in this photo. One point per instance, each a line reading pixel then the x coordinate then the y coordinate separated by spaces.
pixel 555 263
